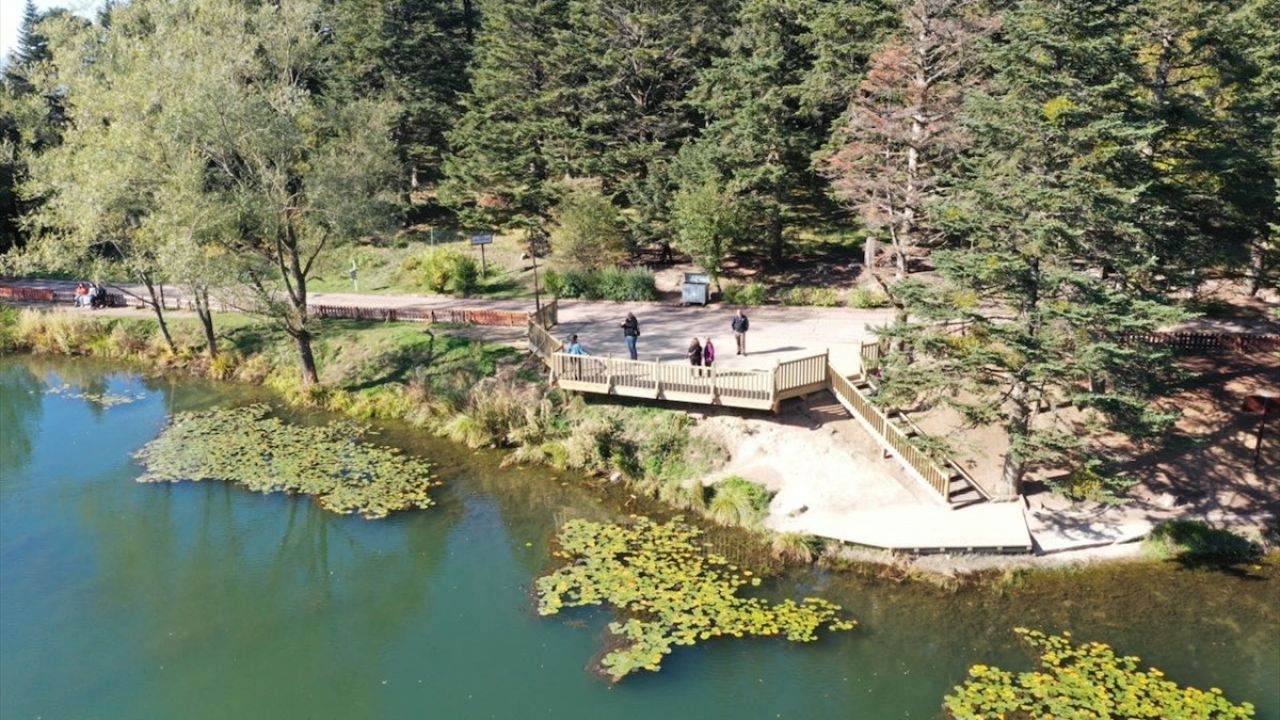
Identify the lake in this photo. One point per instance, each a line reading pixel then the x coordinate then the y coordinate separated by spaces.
pixel 202 600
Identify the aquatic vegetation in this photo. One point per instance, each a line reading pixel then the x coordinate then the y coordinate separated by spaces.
pixel 1083 681
pixel 672 590
pixel 246 445
pixel 102 399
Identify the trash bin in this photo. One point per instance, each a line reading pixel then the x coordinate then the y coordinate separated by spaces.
pixel 697 288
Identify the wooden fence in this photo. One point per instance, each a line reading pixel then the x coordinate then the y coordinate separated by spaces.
pixel 461 316
pixel 1210 342
pixel 26 294
pixel 542 343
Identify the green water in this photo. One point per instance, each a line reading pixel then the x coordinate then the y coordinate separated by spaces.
pixel 124 600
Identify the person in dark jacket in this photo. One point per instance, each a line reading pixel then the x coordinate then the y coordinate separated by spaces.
pixel 695 353
pixel 740 326
pixel 708 353
pixel 631 331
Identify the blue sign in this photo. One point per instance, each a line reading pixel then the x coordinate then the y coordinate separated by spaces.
pixel 482 238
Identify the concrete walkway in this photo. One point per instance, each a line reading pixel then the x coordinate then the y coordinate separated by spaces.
pixel 776 334
pixel 922 528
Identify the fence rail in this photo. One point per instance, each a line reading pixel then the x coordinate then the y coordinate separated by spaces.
pixel 1225 342
pixel 542 343
pixel 461 316
pixel 891 434
pixel 548 315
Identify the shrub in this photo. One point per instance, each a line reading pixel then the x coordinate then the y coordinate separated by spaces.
pixel 587 232
pixel 553 283
pixel 865 298
pixel 738 501
pixel 444 270
pixel 9 340
pixel 793 547
pixel 818 297
pixel 632 284
pixel 752 293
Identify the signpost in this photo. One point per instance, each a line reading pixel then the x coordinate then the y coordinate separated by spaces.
pixel 482 239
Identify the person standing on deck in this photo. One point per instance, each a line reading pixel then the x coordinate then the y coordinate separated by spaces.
pixel 575 347
pixel 695 353
pixel 631 331
pixel 740 326
pixel 708 353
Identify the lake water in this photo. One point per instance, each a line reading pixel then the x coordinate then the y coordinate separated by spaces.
pixel 202 600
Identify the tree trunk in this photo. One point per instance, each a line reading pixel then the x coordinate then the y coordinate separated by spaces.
pixel 309 374
pixel 1257 266
pixel 201 296
pixel 1018 427
pixel 869 253
pixel 157 306
pixel 775 234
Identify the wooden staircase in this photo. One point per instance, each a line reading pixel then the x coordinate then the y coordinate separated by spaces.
pixel 961 489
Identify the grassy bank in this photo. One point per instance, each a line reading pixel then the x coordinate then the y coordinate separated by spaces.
pixel 476 393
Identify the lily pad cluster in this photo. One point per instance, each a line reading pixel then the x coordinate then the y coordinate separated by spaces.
pixel 673 590
pixel 1085 680
pixel 248 446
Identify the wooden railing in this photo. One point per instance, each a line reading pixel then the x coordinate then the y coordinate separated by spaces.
pixel 891 435
pixel 542 343
pixel 548 316
pixel 871 353
pixel 796 377
pixel 658 380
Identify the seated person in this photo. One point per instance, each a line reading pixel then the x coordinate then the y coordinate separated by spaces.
pixel 82 295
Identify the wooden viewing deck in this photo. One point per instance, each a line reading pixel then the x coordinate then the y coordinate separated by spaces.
pixel 762 389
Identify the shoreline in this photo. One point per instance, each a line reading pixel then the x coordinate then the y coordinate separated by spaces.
pixel 942 566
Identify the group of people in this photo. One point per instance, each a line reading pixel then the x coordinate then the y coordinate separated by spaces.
pixel 91 296
pixel 701 354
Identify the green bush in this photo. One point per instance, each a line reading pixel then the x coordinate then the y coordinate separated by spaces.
pixel 587 231
pixel 553 283
pixel 818 297
pixel 444 270
pixel 752 293
pixel 865 299
pixel 631 284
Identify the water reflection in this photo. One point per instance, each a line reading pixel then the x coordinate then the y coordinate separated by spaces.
pixel 202 600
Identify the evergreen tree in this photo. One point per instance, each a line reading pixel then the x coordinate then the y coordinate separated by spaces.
pixel 416 53
pixel 640 60
pixel 1047 199
pixel 518 133
pixel 33 46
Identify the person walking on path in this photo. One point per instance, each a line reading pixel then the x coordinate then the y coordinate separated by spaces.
pixel 740 326
pixel 631 331
pixel 708 353
pixel 695 353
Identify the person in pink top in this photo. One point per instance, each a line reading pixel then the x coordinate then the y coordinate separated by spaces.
pixel 708 353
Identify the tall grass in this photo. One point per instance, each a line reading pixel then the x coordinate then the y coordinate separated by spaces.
pixel 738 501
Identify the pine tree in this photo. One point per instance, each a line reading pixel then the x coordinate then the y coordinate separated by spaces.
pixel 518 133
pixel 416 53
pixel 1053 243
pixel 33 46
